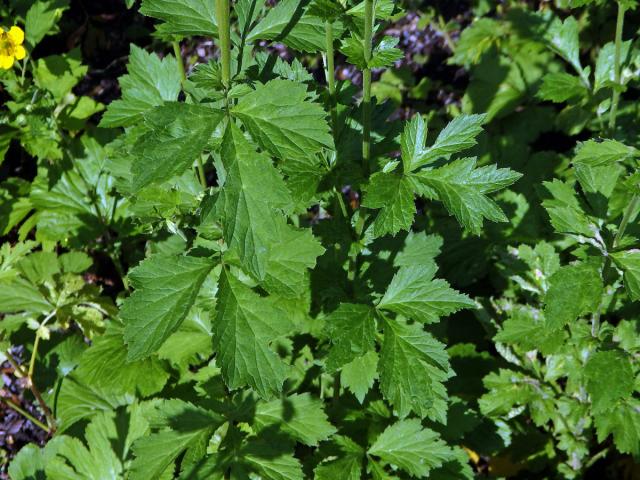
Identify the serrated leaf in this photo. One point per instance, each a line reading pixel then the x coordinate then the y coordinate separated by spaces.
pixel 176 134
pixel 574 290
pixel 299 415
pixel 566 212
pixel 290 256
pixel 183 18
pixel 563 39
pixel 282 121
pixel 629 262
pixel 352 330
pixel 117 376
pixel 560 87
pixel 166 287
pixel 463 189
pixel 244 328
pixel 409 446
pixel 393 195
pixel 609 378
pixel 359 374
pixel 413 366
pixel 412 142
pixel 149 83
pixel 288 23
pixel 384 54
pixel 183 427
pixel 252 190
pixel 605 153
pixel 414 292
pixel 41 19
pixel 623 422
pixel 459 135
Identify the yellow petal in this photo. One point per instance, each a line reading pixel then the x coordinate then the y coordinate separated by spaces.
pixel 6 62
pixel 16 35
pixel 19 52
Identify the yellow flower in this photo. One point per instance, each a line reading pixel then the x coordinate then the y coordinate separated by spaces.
pixel 11 47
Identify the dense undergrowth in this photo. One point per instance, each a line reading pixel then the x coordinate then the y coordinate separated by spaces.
pixel 322 239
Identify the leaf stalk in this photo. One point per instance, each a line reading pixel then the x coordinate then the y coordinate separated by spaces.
pixel 615 96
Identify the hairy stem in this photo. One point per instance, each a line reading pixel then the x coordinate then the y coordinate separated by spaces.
pixel 615 97
pixel 330 70
pixel 178 55
pixel 224 34
pixel 366 85
pixel 626 217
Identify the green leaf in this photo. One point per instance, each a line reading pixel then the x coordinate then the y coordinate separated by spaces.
pixel 563 39
pixel 413 366
pixel 149 83
pixel 463 189
pixel 565 211
pixel 166 287
pixel 353 49
pixel 183 427
pixel 244 328
pixel 59 73
pixel 609 378
pixel 282 120
pixel 629 262
pixel 352 330
pixel 560 87
pixel 419 249
pixel 291 254
pixel 393 194
pixel 252 192
pixel 288 23
pixel 412 448
pixel 20 295
pixel 300 416
pixel 605 153
pixel 574 290
pixel 117 376
pixel 507 389
pixel 347 466
pixel 412 142
pixel 183 18
pixel 459 135
pixel 177 134
pixel 623 422
pixel 359 374
pixel 77 401
pixel 41 19
pixel 384 54
pixel 414 292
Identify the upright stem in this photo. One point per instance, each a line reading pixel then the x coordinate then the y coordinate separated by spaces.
pixel 366 86
pixel 615 98
pixel 224 33
pixel 626 217
pixel 178 54
pixel 330 74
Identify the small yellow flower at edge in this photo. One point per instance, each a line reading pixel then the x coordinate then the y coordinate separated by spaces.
pixel 11 47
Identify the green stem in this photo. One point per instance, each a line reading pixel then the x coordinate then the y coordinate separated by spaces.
pixel 224 34
pixel 615 98
pixel 601 454
pixel 330 74
pixel 178 54
pixel 25 414
pixel 626 217
pixel 36 343
pixel 201 176
pixel 366 86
